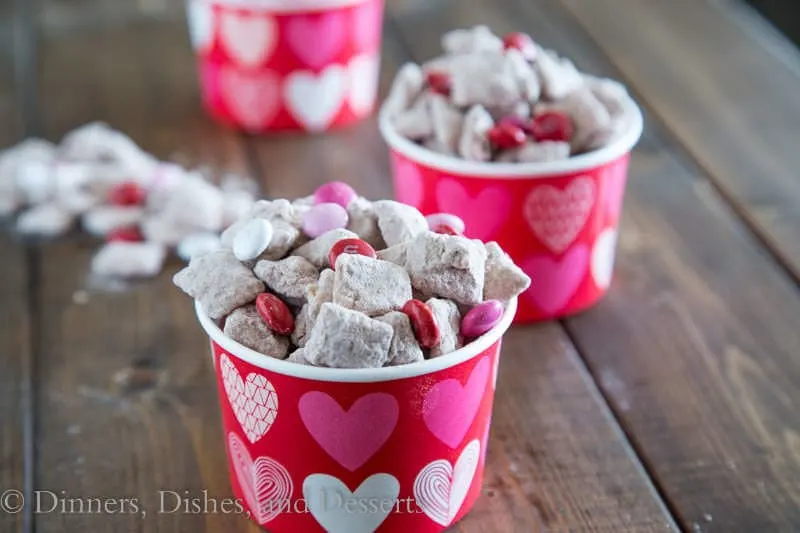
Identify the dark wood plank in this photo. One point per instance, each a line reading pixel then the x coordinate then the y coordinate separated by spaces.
pixel 15 312
pixel 100 433
pixel 726 85
pixel 557 460
pixel 696 346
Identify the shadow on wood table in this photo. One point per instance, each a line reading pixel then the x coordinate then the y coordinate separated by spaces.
pixel 672 406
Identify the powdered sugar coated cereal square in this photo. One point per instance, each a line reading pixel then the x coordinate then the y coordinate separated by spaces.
pixel 342 338
pixel 371 286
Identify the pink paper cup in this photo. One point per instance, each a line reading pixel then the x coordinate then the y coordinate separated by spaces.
pixel 558 220
pixel 287 65
pixel 396 449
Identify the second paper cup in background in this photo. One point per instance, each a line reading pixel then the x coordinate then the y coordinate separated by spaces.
pixel 396 449
pixel 287 65
pixel 557 220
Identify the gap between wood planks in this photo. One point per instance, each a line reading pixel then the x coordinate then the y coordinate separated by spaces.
pixel 619 425
pixel 24 53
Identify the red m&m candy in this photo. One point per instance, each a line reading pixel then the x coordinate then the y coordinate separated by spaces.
pixel 506 135
pixel 426 330
pixel 350 246
pixel 130 234
pixel 552 126
pixel 275 314
pixel 127 193
pixel 439 82
pixel 523 43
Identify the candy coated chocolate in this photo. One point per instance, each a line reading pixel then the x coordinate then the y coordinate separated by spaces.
pixel 350 246
pixel 481 318
pixel 323 218
pixel 423 322
pixel 335 192
pixel 275 313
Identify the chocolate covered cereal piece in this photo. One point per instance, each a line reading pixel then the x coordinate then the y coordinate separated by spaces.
pixel 447 122
pixel 104 219
pixel 503 280
pixel 397 254
pixel 129 260
pixel 477 39
pixel 559 76
pixel 449 320
pixel 404 348
pixel 474 143
pixel 45 220
pixel 280 209
pixel 219 282
pixel 317 250
pixel 476 79
pixel 406 87
pixel 591 119
pixel 371 286
pixel 398 222
pixel 298 356
pixel 447 266
pixel 288 278
pixel 342 338
pixel 364 222
pixel 416 122
pixel 245 326
pixel 525 75
pixel 533 152
pixel 316 294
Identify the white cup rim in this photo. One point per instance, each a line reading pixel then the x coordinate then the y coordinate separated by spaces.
pixel 475 169
pixel 284 6
pixel 358 375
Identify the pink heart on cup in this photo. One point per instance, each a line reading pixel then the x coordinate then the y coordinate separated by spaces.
pixel 253 98
pixel 554 281
pixel 367 25
pixel 450 408
pixel 351 437
pixel 317 39
pixel 409 187
pixel 483 213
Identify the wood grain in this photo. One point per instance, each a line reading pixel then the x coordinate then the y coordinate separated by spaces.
pixel 696 345
pixel 542 478
pixel 726 86
pixel 126 399
pixel 16 454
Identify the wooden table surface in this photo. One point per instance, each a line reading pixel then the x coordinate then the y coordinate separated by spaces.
pixel 671 406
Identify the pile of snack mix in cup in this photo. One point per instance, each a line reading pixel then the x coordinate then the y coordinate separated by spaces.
pixel 142 207
pixel 506 100
pixel 336 280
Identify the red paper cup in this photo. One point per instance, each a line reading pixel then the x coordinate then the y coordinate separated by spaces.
pixel 287 65
pixel 396 449
pixel 558 220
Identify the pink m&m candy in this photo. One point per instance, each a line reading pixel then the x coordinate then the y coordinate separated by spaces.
pixel 324 217
pixel 445 219
pixel 481 318
pixel 335 192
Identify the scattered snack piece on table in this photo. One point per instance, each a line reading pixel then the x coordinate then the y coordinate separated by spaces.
pixel 330 299
pixel 505 100
pixel 101 180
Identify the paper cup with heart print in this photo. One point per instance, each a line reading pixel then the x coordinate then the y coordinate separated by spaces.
pixel 558 220
pixel 396 449
pixel 287 65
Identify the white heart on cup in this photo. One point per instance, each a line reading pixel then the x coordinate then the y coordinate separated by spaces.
pixel 363 72
pixel 603 255
pixel 249 38
pixel 201 23
pixel 326 498
pixel 441 488
pixel 315 99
